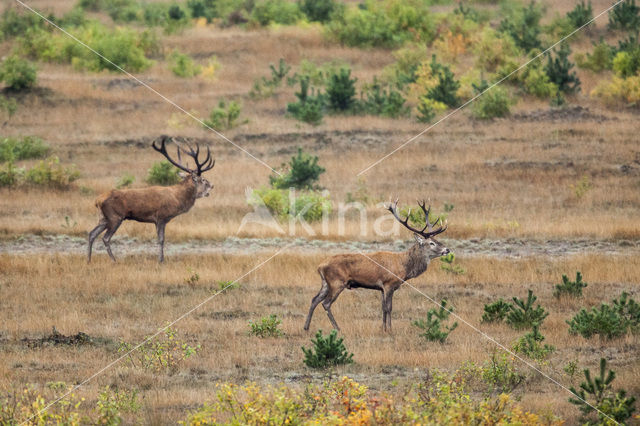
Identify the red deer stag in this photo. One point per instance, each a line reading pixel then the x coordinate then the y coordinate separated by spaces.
pixel 155 204
pixel 382 271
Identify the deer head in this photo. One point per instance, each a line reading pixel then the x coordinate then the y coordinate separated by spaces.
pixel 203 186
pixel 429 247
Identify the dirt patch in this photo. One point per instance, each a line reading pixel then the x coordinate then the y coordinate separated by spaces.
pixel 59 339
pixel 571 113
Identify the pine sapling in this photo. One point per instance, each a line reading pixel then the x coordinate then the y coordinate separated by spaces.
pixel 572 288
pixel 326 351
pixel 524 315
pixel 432 326
pixel 497 311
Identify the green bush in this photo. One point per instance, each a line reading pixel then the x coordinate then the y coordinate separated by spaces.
pixel 310 107
pixel 625 16
pixel 431 327
pixel 182 65
pixel 523 25
pixel 11 175
pixel 380 99
pixel 310 205
pixel 123 10
pixel 580 14
pixel 531 345
pixel 225 116
pixel 446 89
pixel 537 83
pixel 15 149
pixel 608 321
pixel 598 392
pixel 125 181
pixel 326 351
pixel 381 23
pixel 266 12
pixel 164 353
pixel 15 22
pixel 559 70
pixel 500 373
pixel 50 173
pixel 319 10
pixel 341 91
pixel 493 103
pixel 267 327
pixel 428 109
pixel 17 73
pixel 571 288
pixel 163 173
pixel 303 173
pixel 494 50
pixel 599 59
pixel 497 311
pixel 447 263
pixel 524 315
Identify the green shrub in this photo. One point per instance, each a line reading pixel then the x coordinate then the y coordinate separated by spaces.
pixel 500 373
pixel 17 73
pixel 267 327
pixel 524 315
pixel 580 14
pixel 523 25
pixel 163 173
pixel 125 181
pixel 626 64
pixel 496 311
pixel 537 83
pixel 493 103
pixel 571 288
pixel 598 392
pixel 326 351
pixel 14 149
pixel 309 205
pixel 225 116
pixel 341 91
pixel 559 71
pixel 428 109
pixel 310 107
pixel 303 173
pixel 8 105
pixel 531 345
pixel 598 60
pixel 446 89
pixel 15 22
pixel 164 353
pixel 625 16
pixel 493 50
pixel 319 10
pixel 182 65
pixel 447 264
pixel 123 10
pixel 383 24
pixel 608 321
pixel 11 175
pixel 51 173
pixel 380 99
pixel 266 12
pixel 431 327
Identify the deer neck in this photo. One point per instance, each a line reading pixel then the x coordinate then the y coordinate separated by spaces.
pixel 415 262
pixel 186 194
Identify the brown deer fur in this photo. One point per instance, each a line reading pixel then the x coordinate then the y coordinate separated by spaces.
pixel 155 204
pixel 382 271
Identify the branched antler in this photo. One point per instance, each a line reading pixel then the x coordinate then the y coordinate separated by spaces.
pixel 393 208
pixel 201 167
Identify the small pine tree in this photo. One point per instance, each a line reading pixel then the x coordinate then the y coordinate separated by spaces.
pixel 581 14
pixel 310 107
pixel 610 404
pixel 531 345
pixel 524 27
pixel 523 314
pixel 572 288
pixel 303 173
pixel 327 351
pixel 497 311
pixel 341 90
pixel 432 326
pixel 559 71
pixel 625 16
pixel 446 89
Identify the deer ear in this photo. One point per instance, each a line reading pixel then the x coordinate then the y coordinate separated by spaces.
pixel 183 174
pixel 419 239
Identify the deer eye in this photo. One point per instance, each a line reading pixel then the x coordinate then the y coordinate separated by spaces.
pixel 432 244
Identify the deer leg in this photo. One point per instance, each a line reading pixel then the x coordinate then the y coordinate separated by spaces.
pixel 315 301
pixel 389 302
pixel 111 229
pixel 94 234
pixel 160 228
pixel 326 304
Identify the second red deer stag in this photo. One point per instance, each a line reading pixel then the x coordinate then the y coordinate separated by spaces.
pixel 382 271
pixel 155 204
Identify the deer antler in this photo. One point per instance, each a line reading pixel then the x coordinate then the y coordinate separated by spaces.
pixel 201 167
pixel 393 208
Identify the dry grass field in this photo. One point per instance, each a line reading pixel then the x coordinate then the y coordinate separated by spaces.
pixel 514 178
